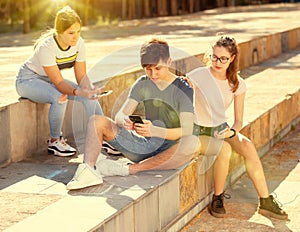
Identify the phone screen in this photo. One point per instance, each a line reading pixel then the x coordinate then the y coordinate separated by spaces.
pixel 104 93
pixel 222 128
pixel 136 119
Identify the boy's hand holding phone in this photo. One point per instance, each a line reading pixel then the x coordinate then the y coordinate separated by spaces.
pixel 142 127
pixel 131 120
pixel 127 123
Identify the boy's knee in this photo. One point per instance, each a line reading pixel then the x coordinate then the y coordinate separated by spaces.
pixel 195 142
pixel 192 144
pixel 103 124
pixel 97 120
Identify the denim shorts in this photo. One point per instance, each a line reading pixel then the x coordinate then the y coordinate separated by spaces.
pixel 137 148
pixel 209 131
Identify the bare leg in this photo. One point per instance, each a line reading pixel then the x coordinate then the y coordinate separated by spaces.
pixel 174 157
pixel 243 146
pixel 99 128
pixel 211 146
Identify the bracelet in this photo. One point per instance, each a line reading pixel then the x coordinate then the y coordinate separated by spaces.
pixel 74 92
pixel 234 133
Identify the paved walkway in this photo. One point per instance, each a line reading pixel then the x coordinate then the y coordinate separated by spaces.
pixel 192 34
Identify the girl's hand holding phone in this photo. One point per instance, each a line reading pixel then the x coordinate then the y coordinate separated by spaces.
pixel 100 93
pixel 223 131
pixel 226 133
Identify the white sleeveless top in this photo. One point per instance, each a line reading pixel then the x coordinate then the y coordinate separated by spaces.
pixel 212 97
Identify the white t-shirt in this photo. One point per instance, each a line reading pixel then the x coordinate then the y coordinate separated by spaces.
pixel 49 53
pixel 212 97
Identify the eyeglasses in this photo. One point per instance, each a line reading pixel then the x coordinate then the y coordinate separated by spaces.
pixel 222 59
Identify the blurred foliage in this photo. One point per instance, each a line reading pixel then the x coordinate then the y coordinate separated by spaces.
pixel 33 15
pixel 40 13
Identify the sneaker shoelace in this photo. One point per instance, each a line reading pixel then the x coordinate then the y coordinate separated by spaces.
pixel 220 199
pixel 276 204
pixel 63 141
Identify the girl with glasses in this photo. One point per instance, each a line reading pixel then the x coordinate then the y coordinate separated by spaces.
pixel 217 86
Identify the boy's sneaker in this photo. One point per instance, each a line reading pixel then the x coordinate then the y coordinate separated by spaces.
pixel 216 207
pixel 109 149
pixel 269 207
pixel 107 167
pixel 60 147
pixel 84 176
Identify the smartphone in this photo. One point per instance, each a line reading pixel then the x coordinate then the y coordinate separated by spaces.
pixel 223 127
pixel 104 93
pixel 136 119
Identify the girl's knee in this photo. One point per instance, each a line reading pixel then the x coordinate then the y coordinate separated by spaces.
pixel 93 118
pixel 63 99
pixel 226 150
pixel 247 145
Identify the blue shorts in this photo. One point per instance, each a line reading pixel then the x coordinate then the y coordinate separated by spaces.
pixel 137 148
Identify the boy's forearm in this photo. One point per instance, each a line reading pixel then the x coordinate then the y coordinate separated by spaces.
pixel 119 119
pixel 187 124
pixel 170 133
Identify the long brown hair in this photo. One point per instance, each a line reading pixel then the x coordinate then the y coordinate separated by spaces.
pixel 230 44
pixel 64 19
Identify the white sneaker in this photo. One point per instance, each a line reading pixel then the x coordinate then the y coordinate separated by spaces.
pixel 60 147
pixel 84 176
pixel 107 167
pixel 109 149
pixel 101 157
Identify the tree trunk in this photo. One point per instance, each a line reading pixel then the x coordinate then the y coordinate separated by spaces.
pixel 86 12
pixel 26 17
pixel 147 10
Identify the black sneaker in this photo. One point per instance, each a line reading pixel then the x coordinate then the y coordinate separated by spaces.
pixel 216 207
pixel 109 149
pixel 269 207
